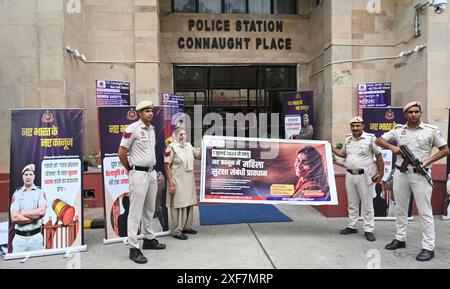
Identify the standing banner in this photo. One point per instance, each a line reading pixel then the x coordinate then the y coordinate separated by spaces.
pixel 112 123
pixel 379 121
pixel 173 114
pixel 298 115
pixel 112 93
pixel 447 199
pixel 45 183
pixel 373 95
pixel 267 171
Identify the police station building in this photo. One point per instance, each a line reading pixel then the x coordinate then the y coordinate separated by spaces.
pixel 229 56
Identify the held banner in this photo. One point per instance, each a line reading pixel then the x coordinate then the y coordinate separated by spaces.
pixel 298 115
pixel 373 95
pixel 379 121
pixel 267 171
pixel 112 123
pixel 46 206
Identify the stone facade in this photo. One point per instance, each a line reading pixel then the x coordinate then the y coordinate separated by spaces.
pixel 138 41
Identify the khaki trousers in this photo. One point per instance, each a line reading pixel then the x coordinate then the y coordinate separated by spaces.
pixel 143 190
pixel 358 190
pixel 182 219
pixel 404 183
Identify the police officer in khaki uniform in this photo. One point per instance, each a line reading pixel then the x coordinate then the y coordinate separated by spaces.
pixel 28 207
pixel 359 150
pixel 139 141
pixel 420 138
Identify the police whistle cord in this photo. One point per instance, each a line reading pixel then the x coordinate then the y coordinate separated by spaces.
pixel 416 163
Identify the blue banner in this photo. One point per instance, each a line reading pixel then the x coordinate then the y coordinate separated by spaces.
pixel 46 180
pixel 112 123
pixel 379 121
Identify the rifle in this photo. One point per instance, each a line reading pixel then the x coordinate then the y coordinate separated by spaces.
pixel 416 163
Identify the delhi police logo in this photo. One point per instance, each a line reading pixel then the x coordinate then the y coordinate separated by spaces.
pixel 390 115
pixel 101 84
pixel 48 117
pixel 132 115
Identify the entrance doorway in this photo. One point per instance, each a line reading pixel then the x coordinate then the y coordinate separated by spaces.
pixel 235 89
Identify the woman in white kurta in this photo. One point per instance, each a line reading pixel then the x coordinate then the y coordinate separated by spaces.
pixel 181 197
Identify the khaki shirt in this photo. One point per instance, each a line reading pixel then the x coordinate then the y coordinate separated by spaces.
pixel 360 152
pixel 140 142
pixel 420 140
pixel 23 200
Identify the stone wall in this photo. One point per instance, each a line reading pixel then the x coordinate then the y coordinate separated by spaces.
pixel 137 41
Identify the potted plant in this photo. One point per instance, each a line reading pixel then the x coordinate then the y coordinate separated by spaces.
pixel 85 163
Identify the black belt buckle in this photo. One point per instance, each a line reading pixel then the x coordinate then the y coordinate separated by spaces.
pixel 28 233
pixel 414 170
pixel 142 169
pixel 356 172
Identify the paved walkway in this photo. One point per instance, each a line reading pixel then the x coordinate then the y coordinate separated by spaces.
pixel 311 241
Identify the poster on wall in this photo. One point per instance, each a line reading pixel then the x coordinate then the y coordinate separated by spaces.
pixel 379 121
pixel 45 183
pixel 173 114
pixel 267 171
pixel 112 93
pixel 298 115
pixel 112 123
pixel 373 95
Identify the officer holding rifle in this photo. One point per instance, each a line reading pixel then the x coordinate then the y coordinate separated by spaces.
pixel 415 141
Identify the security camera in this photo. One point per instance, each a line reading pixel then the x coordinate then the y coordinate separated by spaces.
pixel 439 5
pixel 82 57
pixel 77 53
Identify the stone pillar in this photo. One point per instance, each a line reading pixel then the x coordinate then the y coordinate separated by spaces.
pixel 146 50
pixel 50 34
pixel 438 65
pixel 340 75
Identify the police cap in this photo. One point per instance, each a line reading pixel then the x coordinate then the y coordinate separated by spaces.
pixel 144 105
pixel 411 104
pixel 29 167
pixel 356 119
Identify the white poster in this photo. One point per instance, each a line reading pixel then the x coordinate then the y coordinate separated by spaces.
pixel 292 125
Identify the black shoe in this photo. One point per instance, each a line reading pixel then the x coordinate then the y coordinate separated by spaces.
pixel 189 231
pixel 370 236
pixel 137 256
pixel 396 244
pixel 348 230
pixel 425 255
pixel 153 244
pixel 180 237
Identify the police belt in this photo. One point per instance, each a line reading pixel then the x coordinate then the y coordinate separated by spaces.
pixel 356 172
pixel 142 169
pixel 28 233
pixel 414 170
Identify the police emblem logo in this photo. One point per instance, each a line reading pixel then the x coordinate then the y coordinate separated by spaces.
pixel 142 133
pixel 132 115
pixel 404 132
pixel 48 117
pixel 390 115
